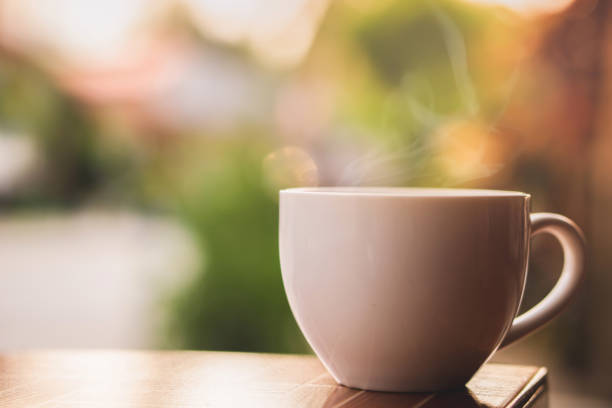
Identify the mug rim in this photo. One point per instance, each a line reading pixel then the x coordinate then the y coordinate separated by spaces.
pixel 406 192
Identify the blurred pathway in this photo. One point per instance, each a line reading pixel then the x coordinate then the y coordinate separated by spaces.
pixel 89 279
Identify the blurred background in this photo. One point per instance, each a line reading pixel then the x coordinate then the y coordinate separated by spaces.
pixel 143 144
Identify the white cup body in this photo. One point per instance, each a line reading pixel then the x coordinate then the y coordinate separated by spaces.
pixel 403 289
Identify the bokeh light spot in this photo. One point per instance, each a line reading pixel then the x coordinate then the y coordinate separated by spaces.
pixel 290 167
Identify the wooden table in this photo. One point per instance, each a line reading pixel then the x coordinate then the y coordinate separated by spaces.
pixel 125 379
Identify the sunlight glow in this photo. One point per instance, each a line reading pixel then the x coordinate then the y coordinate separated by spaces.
pixel 279 32
pixel 76 29
pixel 529 6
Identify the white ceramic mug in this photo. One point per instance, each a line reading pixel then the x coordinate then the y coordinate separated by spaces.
pixel 401 289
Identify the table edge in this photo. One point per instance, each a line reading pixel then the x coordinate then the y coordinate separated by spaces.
pixel 534 386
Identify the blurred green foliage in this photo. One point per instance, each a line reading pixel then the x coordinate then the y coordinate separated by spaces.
pixel 77 161
pixel 402 72
pixel 237 301
pixel 215 184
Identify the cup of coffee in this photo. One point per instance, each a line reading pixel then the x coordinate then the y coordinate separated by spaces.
pixel 413 289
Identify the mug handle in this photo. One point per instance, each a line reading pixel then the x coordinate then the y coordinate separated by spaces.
pixel 572 241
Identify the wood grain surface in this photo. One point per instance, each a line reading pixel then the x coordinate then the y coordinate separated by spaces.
pixel 216 379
